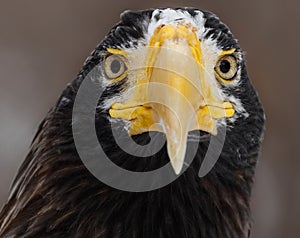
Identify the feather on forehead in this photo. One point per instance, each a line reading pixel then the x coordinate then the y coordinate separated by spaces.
pixel 173 17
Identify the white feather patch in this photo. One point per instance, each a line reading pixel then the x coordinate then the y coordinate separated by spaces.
pixel 174 17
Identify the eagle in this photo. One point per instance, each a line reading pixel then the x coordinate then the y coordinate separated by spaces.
pixel 171 75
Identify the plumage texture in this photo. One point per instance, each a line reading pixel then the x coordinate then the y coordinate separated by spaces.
pixel 54 195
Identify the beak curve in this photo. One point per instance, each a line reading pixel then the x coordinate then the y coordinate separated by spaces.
pixel 175 70
pixel 172 96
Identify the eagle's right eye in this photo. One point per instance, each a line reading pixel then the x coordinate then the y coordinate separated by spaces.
pixel 114 66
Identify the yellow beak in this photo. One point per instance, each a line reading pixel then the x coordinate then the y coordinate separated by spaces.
pixel 174 97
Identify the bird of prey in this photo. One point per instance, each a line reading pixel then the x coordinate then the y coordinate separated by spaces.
pixel 169 72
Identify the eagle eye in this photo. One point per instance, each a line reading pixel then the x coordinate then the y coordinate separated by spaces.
pixel 114 66
pixel 226 67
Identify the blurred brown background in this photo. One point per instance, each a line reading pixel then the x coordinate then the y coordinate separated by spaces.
pixel 44 43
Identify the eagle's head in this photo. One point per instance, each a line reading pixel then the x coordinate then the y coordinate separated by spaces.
pixel 170 72
pixel 177 71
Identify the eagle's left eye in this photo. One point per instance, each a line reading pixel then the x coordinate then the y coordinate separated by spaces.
pixel 114 66
pixel 226 67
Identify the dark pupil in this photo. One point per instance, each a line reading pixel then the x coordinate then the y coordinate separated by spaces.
pixel 225 66
pixel 115 66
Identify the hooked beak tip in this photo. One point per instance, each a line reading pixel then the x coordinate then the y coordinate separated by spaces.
pixel 176 154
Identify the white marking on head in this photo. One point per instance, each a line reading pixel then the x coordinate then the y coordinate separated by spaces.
pixel 174 17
